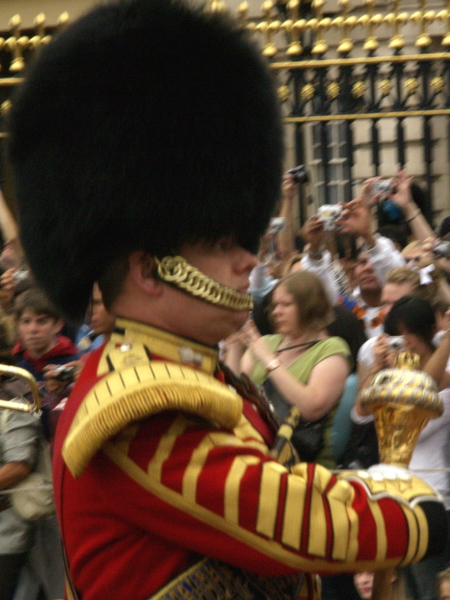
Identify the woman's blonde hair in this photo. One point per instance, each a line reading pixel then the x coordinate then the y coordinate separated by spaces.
pixel 430 290
pixel 313 307
pixel 296 258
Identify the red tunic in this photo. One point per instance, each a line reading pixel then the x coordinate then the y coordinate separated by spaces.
pixel 174 487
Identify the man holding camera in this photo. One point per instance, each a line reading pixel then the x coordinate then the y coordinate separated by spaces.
pixel 376 256
pixel 164 482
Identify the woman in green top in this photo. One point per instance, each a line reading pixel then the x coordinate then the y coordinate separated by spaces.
pixel 305 367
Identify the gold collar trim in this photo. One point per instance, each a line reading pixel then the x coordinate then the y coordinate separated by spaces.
pixel 166 345
pixel 178 272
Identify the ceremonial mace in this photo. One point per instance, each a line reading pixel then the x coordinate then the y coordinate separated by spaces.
pixel 402 400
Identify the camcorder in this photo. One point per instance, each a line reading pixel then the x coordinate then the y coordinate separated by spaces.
pixel 329 215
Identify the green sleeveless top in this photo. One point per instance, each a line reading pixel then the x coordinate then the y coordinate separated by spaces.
pixel 301 370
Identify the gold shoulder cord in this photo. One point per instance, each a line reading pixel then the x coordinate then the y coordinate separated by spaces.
pixel 178 272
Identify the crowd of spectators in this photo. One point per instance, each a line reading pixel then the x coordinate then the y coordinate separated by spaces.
pixel 386 284
pixel 328 302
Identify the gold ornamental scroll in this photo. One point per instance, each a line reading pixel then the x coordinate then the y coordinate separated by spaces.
pixel 403 400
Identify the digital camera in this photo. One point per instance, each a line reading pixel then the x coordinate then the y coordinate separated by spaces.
pixel 65 373
pixel 383 187
pixel 300 174
pixel 329 214
pixel 277 225
pixel 441 249
pixel 396 342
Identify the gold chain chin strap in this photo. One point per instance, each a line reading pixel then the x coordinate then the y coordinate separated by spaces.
pixel 177 271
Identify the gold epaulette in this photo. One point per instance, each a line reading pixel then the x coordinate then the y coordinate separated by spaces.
pixel 138 391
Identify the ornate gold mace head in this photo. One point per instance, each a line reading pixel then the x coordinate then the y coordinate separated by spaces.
pixel 403 400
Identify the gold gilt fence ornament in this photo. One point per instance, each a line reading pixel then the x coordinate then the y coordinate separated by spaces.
pixel 20 42
pixel 293 34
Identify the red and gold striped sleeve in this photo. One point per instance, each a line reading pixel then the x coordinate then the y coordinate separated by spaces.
pixel 222 494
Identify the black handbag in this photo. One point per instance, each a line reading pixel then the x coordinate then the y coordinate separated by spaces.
pixel 308 439
pixel 308 436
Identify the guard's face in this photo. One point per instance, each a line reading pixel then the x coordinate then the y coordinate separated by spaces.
pixel 228 264
pixel 225 262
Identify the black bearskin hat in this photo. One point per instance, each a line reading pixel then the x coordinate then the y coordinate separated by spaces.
pixel 147 124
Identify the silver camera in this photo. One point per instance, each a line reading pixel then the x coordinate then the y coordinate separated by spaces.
pixel 396 343
pixel 65 373
pixel 329 214
pixel 277 225
pixel 20 275
pixel 441 249
pixel 383 187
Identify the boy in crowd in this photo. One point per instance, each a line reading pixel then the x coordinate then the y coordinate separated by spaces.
pixel 40 343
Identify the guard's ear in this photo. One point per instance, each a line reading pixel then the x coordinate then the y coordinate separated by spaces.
pixel 142 270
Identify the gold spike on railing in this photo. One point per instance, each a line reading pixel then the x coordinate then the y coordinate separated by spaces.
pixel 39 27
pixel 371 21
pixel 319 24
pixel 346 23
pixel 216 6
pixel 15 44
pixel 396 20
pixel 268 28
pixel 294 27
pixel 63 20
pixel 423 17
pixel 242 15
pixel 444 15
